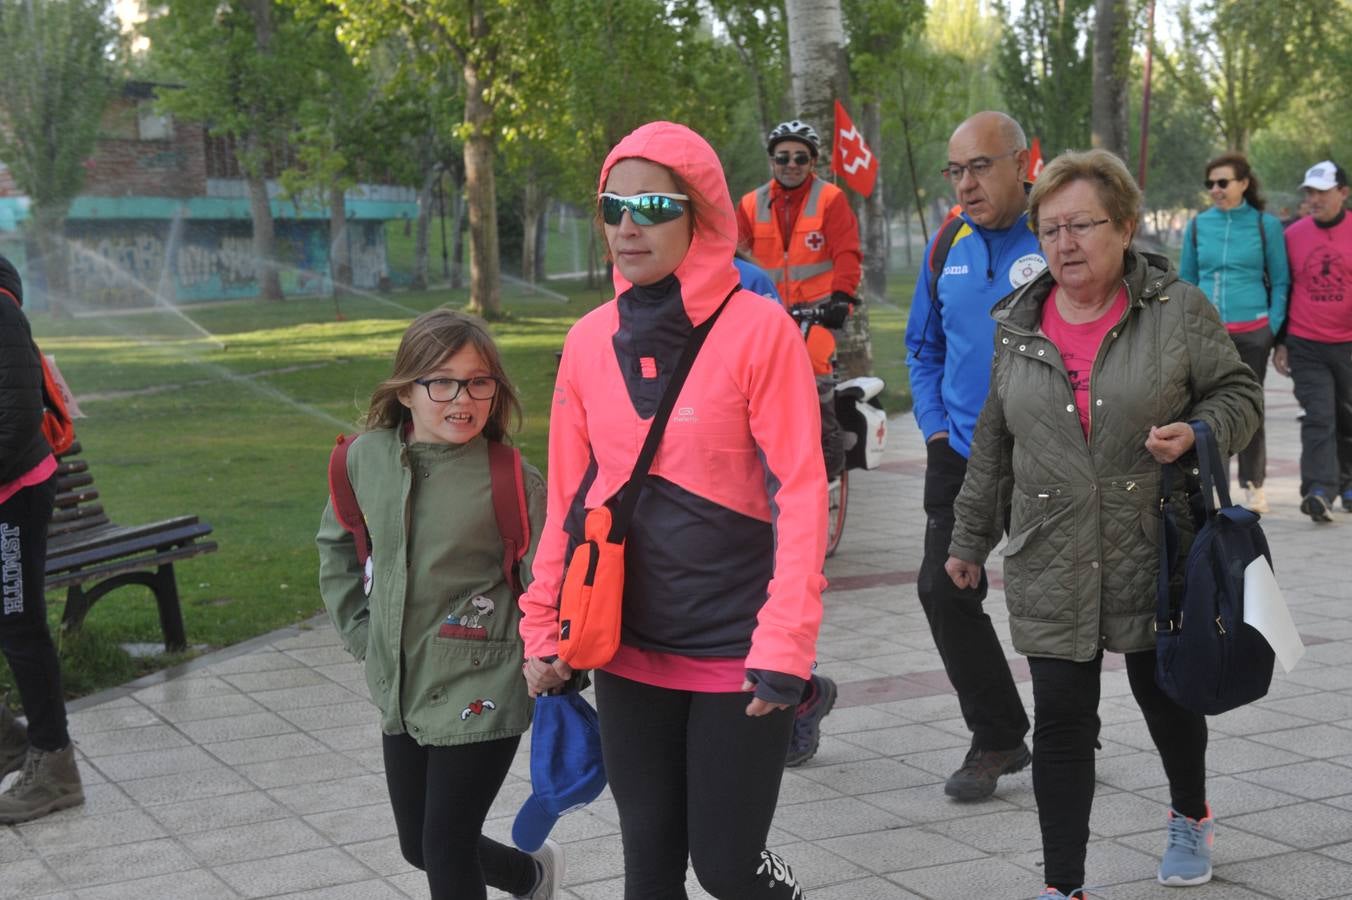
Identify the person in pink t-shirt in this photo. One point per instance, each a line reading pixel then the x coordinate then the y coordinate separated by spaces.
pixel 1315 346
pixel 1101 362
pixel 49 779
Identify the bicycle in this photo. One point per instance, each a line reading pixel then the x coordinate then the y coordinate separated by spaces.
pixel 860 422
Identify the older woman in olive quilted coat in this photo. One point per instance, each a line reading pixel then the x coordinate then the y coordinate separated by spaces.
pixel 1079 475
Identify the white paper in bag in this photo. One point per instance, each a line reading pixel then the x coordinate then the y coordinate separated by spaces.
pixel 1265 609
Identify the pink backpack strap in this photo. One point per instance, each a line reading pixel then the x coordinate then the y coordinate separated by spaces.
pixel 509 508
pixel 344 499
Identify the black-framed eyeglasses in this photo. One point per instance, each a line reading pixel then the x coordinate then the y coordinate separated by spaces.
pixel 979 167
pixel 798 159
pixel 444 390
pixel 1221 183
pixel 1076 228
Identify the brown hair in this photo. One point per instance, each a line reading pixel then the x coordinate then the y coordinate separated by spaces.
pixel 429 340
pixel 1240 163
pixel 1117 190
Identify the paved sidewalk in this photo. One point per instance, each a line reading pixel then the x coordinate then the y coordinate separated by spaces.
pixel 256 772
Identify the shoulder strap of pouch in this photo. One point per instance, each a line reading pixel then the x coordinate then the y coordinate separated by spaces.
pixel 509 508
pixel 619 524
pixel 344 499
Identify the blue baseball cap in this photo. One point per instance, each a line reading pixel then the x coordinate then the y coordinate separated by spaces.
pixel 566 771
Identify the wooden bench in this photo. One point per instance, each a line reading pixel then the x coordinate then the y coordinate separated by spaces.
pixel 83 546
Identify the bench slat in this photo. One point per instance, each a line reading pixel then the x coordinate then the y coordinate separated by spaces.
pixel 91 518
pixel 121 542
pixel 129 564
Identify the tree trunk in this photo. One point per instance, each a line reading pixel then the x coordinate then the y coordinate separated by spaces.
pixel 340 243
pixel 533 203
pixel 817 63
pixel 875 214
pixel 1112 57
pixel 264 240
pixel 54 253
pixel 485 296
pixel 426 197
pixel 821 75
pixel 255 148
pixel 458 238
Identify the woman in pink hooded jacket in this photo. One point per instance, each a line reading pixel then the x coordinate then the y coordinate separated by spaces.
pixel 723 561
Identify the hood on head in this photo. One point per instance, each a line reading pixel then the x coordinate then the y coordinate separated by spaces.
pixel 10 281
pixel 707 273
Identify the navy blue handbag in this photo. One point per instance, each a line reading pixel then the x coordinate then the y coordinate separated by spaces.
pixel 1207 659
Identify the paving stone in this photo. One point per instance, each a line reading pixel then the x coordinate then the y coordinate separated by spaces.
pixel 256 840
pixel 294 872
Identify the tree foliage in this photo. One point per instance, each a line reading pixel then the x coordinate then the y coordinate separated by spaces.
pixel 57 56
pixel 1243 61
pixel 1045 71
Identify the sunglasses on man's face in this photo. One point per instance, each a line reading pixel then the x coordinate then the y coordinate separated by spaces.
pixel 1221 183
pixel 798 159
pixel 644 209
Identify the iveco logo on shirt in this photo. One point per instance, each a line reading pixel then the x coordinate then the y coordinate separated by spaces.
pixel 955 270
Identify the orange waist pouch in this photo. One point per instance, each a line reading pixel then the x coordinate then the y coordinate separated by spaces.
pixel 592 597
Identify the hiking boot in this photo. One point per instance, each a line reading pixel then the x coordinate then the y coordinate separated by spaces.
pixel 549 866
pixel 1255 498
pixel 1187 855
pixel 982 768
pixel 1051 893
pixel 1316 506
pixel 807 720
pixel 13 741
pixel 49 781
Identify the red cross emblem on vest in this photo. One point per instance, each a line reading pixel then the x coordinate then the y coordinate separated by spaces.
pixel 814 240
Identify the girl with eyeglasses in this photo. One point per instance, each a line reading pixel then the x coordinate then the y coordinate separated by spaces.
pixel 722 591
pixel 433 613
pixel 1236 254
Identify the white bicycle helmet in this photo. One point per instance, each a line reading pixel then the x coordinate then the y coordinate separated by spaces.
pixel 794 130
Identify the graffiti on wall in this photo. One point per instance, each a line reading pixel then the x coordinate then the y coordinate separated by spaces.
pixel 114 266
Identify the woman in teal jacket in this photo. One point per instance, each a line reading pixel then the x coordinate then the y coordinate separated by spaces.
pixel 1236 254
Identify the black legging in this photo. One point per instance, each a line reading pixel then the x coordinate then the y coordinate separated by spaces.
pixel 441 796
pixel 24 637
pixel 694 776
pixel 1065 730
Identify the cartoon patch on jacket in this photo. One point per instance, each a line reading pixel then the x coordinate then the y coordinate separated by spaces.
pixel 476 708
pixel 466 624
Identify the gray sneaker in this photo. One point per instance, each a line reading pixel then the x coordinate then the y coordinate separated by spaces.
pixel 13 741
pixel 982 769
pixel 549 862
pixel 49 781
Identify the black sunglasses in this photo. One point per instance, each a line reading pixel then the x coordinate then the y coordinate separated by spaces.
pixel 799 159
pixel 1221 183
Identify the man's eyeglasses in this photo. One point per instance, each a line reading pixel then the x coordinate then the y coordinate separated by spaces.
pixel 798 159
pixel 644 209
pixel 979 167
pixel 444 390
pixel 1077 228
pixel 1221 183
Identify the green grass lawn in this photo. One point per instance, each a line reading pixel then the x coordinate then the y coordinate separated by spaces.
pixel 231 417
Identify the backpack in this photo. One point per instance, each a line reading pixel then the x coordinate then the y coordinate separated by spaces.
pixel 57 426
pixel 509 508
pixel 1262 239
pixel 1207 658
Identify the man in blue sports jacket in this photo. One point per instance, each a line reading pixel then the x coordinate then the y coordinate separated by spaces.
pixel 949 348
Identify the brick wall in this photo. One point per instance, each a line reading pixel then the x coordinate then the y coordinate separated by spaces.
pixel 122 167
